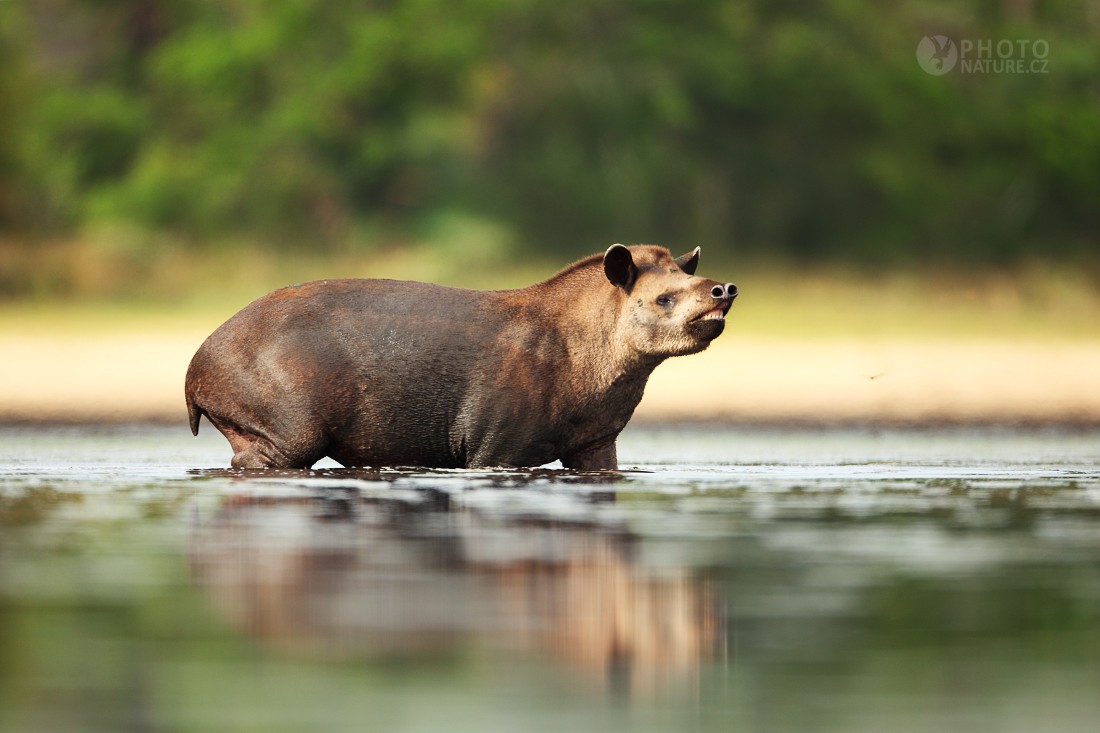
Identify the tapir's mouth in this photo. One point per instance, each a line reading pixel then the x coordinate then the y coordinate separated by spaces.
pixel 714 315
pixel 718 313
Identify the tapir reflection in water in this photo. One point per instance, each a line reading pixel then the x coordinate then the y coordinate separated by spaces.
pixel 421 575
pixel 390 373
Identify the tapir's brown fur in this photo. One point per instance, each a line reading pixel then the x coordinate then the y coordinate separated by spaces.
pixel 385 373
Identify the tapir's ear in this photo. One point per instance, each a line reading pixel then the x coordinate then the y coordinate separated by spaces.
pixel 619 267
pixel 689 262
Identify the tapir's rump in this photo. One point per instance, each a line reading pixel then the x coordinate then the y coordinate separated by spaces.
pixel 393 373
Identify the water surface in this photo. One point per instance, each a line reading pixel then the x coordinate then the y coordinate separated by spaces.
pixel 726 579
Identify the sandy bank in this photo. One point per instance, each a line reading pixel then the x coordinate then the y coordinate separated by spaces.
pixel 139 375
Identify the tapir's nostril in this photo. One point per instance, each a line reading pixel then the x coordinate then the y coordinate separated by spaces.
pixel 724 292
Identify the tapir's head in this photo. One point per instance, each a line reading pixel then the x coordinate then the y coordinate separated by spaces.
pixel 666 309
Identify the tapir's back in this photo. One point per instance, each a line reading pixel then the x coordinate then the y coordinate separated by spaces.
pixel 381 364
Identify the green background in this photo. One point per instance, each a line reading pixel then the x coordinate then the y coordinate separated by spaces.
pixel 144 135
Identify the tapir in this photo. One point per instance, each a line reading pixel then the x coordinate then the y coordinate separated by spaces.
pixel 391 373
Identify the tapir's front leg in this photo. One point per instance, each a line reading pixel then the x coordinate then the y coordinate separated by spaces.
pixel 601 458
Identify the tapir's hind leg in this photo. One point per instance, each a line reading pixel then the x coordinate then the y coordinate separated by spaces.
pixel 255 451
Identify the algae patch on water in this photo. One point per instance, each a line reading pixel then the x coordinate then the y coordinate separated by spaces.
pixel 33 504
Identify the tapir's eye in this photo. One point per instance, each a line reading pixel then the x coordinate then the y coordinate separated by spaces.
pixel 664 300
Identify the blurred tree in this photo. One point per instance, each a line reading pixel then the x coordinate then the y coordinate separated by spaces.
pixel 775 128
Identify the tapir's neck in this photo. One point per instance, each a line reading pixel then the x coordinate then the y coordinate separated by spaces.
pixel 585 309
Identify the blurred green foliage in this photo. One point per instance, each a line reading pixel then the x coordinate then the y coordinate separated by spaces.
pixel 769 128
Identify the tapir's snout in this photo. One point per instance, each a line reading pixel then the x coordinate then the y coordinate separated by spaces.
pixel 724 292
pixel 716 308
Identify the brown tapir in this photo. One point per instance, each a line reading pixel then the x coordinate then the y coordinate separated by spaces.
pixel 390 373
